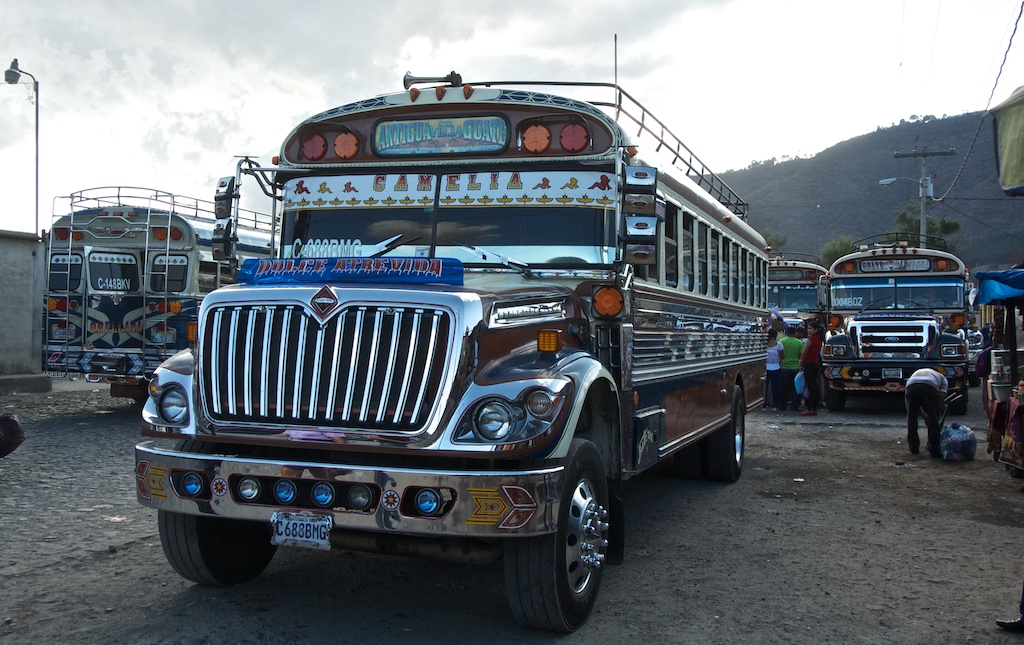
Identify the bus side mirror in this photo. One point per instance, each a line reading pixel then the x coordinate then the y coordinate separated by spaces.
pixel 641 212
pixel 223 234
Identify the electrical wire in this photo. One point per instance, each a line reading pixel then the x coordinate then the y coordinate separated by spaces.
pixel 982 222
pixel 981 121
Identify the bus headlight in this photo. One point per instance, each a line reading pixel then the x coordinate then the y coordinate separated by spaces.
pixel 173 405
pixel 835 350
pixel 494 421
pixel 954 351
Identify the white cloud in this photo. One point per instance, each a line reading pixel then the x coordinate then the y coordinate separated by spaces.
pixel 164 95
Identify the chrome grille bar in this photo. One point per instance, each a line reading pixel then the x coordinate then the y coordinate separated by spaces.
pixel 250 326
pixel 232 353
pixel 281 365
pixel 332 392
pixel 300 358
pixel 408 369
pixel 265 363
pixel 390 373
pixel 215 351
pixel 372 364
pixel 353 360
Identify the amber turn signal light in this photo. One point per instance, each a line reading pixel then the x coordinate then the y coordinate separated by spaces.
pixel 549 341
pixel 608 302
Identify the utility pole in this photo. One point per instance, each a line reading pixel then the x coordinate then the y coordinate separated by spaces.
pixel 924 184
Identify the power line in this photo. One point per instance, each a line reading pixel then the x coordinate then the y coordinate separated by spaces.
pixel 982 222
pixel 987 105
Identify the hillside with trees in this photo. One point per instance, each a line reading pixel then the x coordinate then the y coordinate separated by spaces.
pixel 804 204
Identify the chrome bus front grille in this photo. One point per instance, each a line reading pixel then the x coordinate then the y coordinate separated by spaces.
pixel 370 367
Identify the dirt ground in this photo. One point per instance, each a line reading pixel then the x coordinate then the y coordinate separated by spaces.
pixel 834 534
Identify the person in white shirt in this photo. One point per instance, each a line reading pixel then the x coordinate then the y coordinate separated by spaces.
pixel 926 391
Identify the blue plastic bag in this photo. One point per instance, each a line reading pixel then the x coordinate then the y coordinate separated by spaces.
pixel 800 384
pixel 958 443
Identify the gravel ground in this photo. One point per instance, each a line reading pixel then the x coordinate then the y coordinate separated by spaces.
pixel 834 534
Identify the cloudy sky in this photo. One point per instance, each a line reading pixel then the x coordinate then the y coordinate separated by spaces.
pixel 164 94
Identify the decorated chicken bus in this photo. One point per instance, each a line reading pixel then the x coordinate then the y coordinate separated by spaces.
pixel 127 268
pixel 797 287
pixel 489 311
pixel 895 308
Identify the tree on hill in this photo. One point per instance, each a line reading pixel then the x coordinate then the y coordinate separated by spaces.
pixel 835 249
pixel 908 220
pixel 773 239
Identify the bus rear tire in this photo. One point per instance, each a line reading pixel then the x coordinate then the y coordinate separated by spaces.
pixel 726 445
pixel 552 580
pixel 835 400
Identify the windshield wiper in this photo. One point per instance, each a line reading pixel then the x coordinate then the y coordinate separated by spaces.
pixel 871 304
pixel 487 255
pixel 388 245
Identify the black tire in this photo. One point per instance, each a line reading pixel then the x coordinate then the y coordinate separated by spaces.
pixel 552 580
pixel 835 400
pixel 726 445
pixel 215 551
pixel 959 407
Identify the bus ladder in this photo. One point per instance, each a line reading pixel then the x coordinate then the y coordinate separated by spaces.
pixel 149 271
pixel 63 273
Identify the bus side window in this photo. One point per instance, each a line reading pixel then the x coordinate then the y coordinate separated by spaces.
pixel 734 272
pixel 687 252
pixel 702 259
pixel 671 249
pixel 714 279
pixel 744 262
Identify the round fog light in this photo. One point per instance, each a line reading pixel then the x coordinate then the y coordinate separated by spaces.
pixel 360 497
pixel 428 501
pixel 323 494
pixel 284 491
pixel 192 484
pixel 249 488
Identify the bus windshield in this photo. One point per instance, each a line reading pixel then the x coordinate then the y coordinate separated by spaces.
pixel 556 235
pixel 898 293
pixel 491 218
pixel 801 297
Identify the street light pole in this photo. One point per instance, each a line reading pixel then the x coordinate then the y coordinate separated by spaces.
pixel 11 77
pixel 924 186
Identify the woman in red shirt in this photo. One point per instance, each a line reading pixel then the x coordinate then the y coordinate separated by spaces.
pixel 810 365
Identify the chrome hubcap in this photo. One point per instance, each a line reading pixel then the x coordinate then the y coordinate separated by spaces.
pixel 586 537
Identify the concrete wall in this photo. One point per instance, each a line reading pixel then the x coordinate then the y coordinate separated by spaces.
pixel 22 273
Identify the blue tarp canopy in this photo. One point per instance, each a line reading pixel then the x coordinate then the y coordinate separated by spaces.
pixel 999 287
